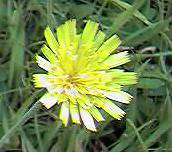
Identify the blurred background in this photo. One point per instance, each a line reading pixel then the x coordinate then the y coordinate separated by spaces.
pixel 145 28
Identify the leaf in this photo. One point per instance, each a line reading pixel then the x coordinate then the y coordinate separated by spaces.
pixel 27 143
pixel 81 11
pixel 162 128
pixel 19 123
pixel 122 18
pixel 147 33
pixel 149 83
pixel 50 133
pixel 3 73
pixel 137 14
pixel 17 48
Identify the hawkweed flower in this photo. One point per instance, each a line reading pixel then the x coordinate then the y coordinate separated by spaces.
pixel 81 75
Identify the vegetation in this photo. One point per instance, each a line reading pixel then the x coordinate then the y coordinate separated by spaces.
pixel 145 28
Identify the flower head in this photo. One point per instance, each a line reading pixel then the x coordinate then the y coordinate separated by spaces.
pixel 80 74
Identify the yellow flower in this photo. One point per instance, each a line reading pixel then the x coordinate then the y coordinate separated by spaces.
pixel 79 74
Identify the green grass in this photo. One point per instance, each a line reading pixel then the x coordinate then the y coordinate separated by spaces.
pixel 143 24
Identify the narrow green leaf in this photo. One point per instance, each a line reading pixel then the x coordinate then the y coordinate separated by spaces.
pixel 147 33
pixel 19 123
pixel 137 14
pixel 149 83
pixel 124 17
pixel 163 127
pixel 17 48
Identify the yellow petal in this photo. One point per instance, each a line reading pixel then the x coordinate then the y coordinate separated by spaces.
pixel 99 38
pixel 87 119
pixel 74 113
pixel 119 96
pixel 51 40
pixel 64 112
pixel 116 60
pixel 96 114
pixel 89 32
pixel 44 64
pixel 49 54
pixel 41 80
pixel 71 25
pixel 98 101
pixel 84 102
pixel 66 35
pixel 63 36
pixel 123 78
pixel 107 48
pixel 48 100
pixel 113 110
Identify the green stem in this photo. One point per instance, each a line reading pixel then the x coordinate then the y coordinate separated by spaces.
pixel 20 122
pixel 144 148
pixel 154 55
